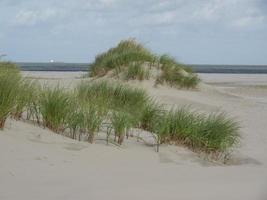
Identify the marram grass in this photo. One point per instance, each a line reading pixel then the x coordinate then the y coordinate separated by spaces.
pixel 25 95
pixel 132 107
pixel 136 71
pixel 112 95
pixel 9 87
pixel 125 53
pixel 136 61
pixel 211 134
pixel 175 77
pixel 92 121
pixel 8 67
pixel 83 110
pixel 121 123
pixel 54 106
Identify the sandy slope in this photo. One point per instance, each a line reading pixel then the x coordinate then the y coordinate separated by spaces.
pixel 38 164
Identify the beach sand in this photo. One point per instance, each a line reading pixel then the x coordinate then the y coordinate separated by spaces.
pixel 36 163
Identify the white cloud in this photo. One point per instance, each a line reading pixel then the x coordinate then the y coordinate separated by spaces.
pixel 155 19
pixel 221 13
pixel 248 21
pixel 33 17
pixel 211 11
pixel 224 13
pixel 252 17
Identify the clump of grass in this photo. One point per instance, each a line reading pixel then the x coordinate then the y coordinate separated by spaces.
pixel 125 53
pixel 92 121
pixel 176 76
pixel 94 101
pixel 215 133
pixel 166 60
pixel 9 83
pixel 137 71
pixel 121 123
pixel 9 67
pixel 161 129
pixel 98 92
pixel 122 101
pixel 25 95
pixel 131 58
pixel 219 132
pixel 112 95
pixel 150 113
pixel 33 106
pixel 128 98
pixel 54 107
pixel 75 119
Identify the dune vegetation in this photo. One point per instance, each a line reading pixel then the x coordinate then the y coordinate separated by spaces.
pixel 131 60
pixel 112 108
pixel 9 87
pixel 54 106
pixel 25 93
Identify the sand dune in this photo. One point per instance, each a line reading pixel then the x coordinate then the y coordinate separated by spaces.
pixel 38 164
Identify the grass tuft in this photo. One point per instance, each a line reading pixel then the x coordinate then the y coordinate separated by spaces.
pixel 54 108
pixel 137 71
pixel 214 133
pixel 176 76
pixel 9 87
pixel 121 123
pixel 125 53
pixel 25 95
pixel 92 121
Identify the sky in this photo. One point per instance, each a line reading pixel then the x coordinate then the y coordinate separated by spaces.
pixel 192 31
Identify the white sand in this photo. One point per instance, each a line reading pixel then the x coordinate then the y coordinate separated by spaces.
pixel 38 164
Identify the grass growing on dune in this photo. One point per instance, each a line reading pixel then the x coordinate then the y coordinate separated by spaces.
pixel 135 61
pixel 112 95
pixel 220 132
pixel 137 71
pixel 92 121
pixel 84 110
pixel 214 133
pixel 126 52
pixel 54 108
pixel 9 86
pixel 17 93
pixel 25 95
pixel 160 128
pixel 176 76
pixel 124 103
pixel 150 113
pixel 75 121
pixel 132 107
pixel 8 67
pixel 121 123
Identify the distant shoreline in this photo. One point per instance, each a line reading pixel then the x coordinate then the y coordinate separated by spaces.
pixel 76 67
